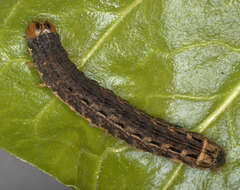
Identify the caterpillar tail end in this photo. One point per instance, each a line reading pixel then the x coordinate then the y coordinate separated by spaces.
pixel 221 159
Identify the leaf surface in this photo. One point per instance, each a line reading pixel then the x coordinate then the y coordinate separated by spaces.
pixel 177 60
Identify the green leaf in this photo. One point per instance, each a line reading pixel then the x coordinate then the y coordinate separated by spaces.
pixel 178 60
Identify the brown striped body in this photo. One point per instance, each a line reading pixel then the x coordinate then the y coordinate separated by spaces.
pixel 106 110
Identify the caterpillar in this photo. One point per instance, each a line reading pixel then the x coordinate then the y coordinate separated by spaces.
pixel 104 109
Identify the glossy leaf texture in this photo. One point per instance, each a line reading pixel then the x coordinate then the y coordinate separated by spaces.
pixel 177 60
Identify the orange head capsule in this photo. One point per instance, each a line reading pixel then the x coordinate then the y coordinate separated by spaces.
pixel 35 29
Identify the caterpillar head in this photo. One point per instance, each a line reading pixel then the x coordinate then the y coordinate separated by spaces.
pixel 37 28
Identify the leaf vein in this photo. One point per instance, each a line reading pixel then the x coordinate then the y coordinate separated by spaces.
pixel 109 31
pixel 99 167
pixel 172 177
pixel 13 9
pixel 40 114
pixel 214 115
pixel 204 44
pixel 206 123
pixel 185 97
